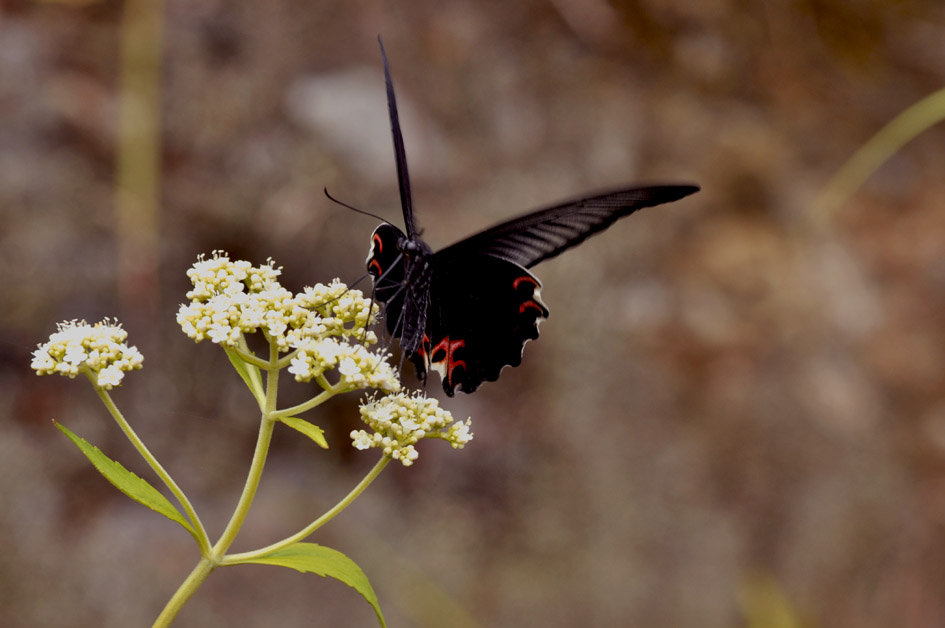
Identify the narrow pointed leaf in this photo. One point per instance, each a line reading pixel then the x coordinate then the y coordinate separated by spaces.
pixel 126 481
pixel 324 561
pixel 311 430
pixel 248 372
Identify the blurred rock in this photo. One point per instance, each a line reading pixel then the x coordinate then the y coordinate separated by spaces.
pixel 348 111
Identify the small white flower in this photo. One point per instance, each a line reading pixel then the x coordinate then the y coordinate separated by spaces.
pixel 75 353
pixel 219 333
pixel 361 439
pixel 459 434
pixel 348 367
pixel 300 367
pixel 42 362
pixel 109 376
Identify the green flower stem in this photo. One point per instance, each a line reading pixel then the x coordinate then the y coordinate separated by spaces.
pixel 200 533
pixel 185 592
pixel 233 559
pixel 249 357
pixel 286 360
pixel 214 556
pixel 266 426
pixel 887 141
pixel 311 403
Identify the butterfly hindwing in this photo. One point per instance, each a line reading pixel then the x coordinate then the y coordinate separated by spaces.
pixel 464 317
pixel 482 311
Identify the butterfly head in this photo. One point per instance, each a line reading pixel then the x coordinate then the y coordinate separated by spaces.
pixel 392 251
pixel 413 248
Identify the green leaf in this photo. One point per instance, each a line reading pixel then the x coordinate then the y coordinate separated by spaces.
pixel 314 432
pixel 324 561
pixel 126 481
pixel 248 372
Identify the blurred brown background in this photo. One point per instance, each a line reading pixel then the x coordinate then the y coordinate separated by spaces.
pixel 735 415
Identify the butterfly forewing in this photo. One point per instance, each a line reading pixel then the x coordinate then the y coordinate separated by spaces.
pixel 400 154
pixel 540 235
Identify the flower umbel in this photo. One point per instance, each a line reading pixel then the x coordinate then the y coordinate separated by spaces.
pixel 233 298
pixel 99 350
pixel 400 421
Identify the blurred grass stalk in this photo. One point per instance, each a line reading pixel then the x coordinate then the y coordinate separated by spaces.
pixel 137 178
pixel 874 153
pixel 765 605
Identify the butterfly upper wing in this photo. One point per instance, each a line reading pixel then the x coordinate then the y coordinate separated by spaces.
pixel 400 154
pixel 535 237
pixel 482 311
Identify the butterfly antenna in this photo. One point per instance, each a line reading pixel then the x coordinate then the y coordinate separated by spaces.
pixel 354 209
pixel 359 280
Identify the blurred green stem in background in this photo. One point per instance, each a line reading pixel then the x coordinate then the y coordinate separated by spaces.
pixel 765 604
pixel 138 154
pixel 874 153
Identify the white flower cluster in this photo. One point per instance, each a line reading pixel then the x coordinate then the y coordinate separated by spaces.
pixel 357 367
pixel 232 298
pixel 98 349
pixel 400 421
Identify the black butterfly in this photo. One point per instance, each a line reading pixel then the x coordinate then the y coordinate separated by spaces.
pixel 468 310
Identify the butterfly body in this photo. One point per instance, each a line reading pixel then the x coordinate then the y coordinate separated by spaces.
pixel 468 310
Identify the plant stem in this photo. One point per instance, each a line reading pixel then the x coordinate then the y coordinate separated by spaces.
pixel 267 423
pixel 138 153
pixel 869 157
pixel 200 534
pixel 286 360
pixel 309 529
pixel 184 592
pixel 308 405
pixel 249 358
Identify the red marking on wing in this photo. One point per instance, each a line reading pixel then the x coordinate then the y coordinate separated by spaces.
pixel 449 348
pixel 527 304
pixel 519 280
pixel 423 351
pixel 444 346
pixel 375 263
pixel 379 243
pixel 454 364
